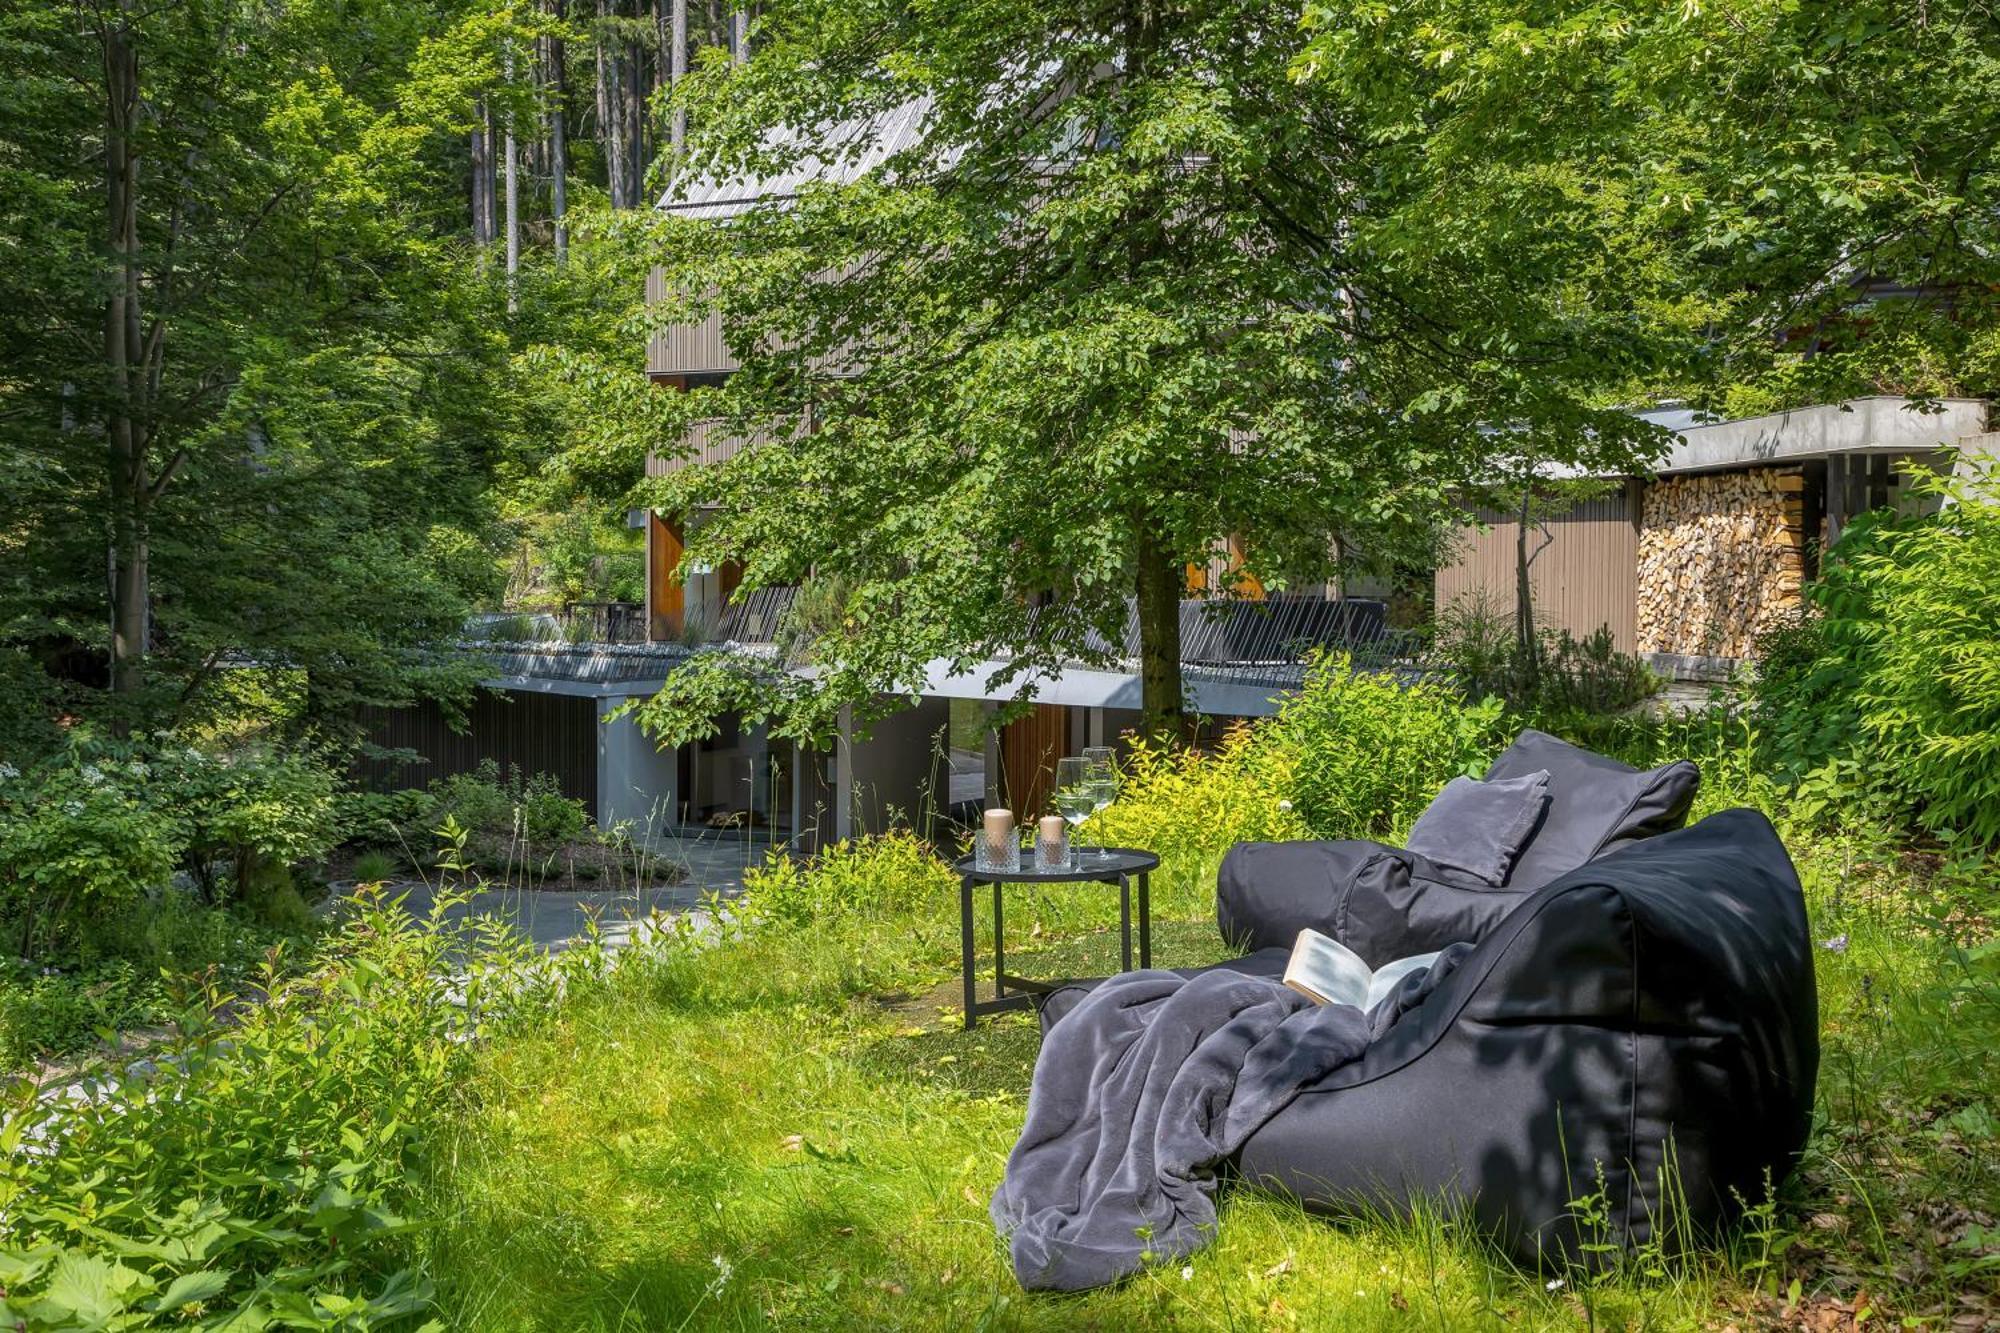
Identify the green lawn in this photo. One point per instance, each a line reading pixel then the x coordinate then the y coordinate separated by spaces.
pixel 795 1127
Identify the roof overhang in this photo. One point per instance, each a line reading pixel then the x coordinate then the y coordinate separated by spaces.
pixel 1880 425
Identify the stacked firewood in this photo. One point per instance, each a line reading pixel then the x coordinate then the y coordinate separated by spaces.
pixel 1720 560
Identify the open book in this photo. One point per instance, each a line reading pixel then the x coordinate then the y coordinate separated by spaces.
pixel 1328 972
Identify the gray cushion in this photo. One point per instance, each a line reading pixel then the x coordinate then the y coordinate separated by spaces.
pixel 1479 828
pixel 1595 804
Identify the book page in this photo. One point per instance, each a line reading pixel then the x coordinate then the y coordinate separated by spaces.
pixel 1387 977
pixel 1327 970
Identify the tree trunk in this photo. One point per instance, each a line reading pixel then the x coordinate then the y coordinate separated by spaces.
pixel 559 139
pixel 492 175
pixel 511 158
pixel 740 47
pixel 1524 592
pixel 677 65
pixel 1159 606
pixel 635 126
pixel 483 229
pixel 610 109
pixel 124 360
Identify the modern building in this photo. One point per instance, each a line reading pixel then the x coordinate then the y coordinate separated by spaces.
pixel 1687 565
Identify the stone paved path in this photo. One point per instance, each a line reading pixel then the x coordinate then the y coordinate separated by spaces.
pixel 555 918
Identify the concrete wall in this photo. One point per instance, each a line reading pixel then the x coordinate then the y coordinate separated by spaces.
pixel 635 779
pixel 898 776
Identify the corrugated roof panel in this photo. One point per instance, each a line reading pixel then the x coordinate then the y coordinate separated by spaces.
pixel 875 139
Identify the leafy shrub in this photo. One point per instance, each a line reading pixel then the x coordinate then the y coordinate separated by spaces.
pixel 477 799
pixel 547 816
pixel 871 876
pixel 1913 605
pixel 488 803
pixel 47 1011
pixel 1481 649
pixel 1883 697
pixel 374 866
pixel 1190 806
pixel 364 816
pixel 256 810
pixel 263 1170
pixel 78 842
pixel 1370 749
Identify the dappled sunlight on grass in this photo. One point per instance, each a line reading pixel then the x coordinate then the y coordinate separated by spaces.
pixel 642 1165
pixel 793 1126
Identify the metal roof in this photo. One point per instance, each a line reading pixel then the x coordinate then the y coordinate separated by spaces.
pixel 583 663
pixel 859 146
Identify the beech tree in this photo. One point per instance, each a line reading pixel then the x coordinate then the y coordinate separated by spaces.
pixel 252 387
pixel 1116 288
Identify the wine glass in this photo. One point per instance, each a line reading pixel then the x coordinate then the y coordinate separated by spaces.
pixel 1101 781
pixel 1074 799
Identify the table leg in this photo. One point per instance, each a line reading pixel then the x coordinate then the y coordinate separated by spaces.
pixel 965 944
pixel 1145 918
pixel 999 957
pixel 1125 918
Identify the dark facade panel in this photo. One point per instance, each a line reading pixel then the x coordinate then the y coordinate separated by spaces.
pixel 536 733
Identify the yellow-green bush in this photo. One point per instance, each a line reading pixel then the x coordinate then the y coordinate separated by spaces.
pixel 1370 749
pixel 891 873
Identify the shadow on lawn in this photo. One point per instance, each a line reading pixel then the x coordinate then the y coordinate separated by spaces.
pixel 930 1047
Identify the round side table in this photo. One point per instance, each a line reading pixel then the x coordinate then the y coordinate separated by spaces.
pixel 1106 865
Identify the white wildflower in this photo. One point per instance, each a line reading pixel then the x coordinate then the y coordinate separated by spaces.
pixel 93 775
pixel 1555 1284
pixel 1838 944
pixel 1187 1273
pixel 74 809
pixel 8 771
pixel 139 770
pixel 1285 806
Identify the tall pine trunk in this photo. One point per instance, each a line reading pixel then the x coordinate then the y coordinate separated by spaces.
pixel 511 157
pixel 610 107
pixel 483 222
pixel 740 47
pixel 676 71
pixel 559 138
pixel 635 125
pixel 125 364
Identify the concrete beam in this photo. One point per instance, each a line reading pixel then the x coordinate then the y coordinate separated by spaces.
pixel 1859 425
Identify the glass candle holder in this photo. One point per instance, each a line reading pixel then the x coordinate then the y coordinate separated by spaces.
pixel 1052 844
pixel 997 846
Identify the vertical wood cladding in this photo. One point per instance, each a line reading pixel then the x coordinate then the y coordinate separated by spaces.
pixel 536 733
pixel 666 589
pixel 1029 748
pixel 1582 567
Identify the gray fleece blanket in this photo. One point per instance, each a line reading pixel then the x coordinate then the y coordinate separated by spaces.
pixel 1142 1091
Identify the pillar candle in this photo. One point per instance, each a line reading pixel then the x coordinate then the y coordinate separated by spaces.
pixel 999 830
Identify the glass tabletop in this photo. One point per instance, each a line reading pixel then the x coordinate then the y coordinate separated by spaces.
pixel 1091 863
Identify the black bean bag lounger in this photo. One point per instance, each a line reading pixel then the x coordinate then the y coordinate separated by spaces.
pixel 1388 902
pixel 1645 1026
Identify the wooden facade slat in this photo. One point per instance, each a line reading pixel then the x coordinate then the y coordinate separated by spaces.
pixel 706 443
pixel 666 592
pixel 1029 748
pixel 686 349
pixel 1584 575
